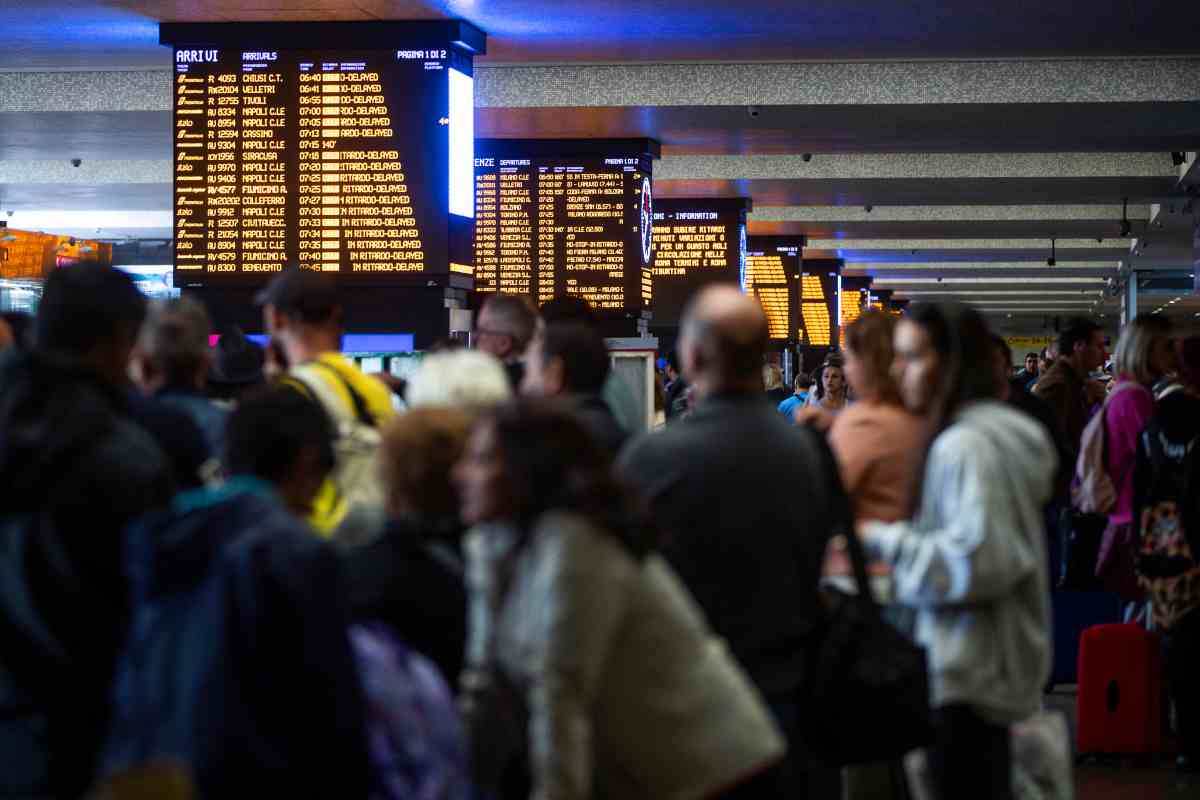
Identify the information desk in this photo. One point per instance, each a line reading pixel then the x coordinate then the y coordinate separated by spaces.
pixel 696 243
pixel 346 147
pixel 565 218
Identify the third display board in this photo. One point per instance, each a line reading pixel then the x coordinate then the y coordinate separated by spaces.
pixel 565 217
pixel 696 242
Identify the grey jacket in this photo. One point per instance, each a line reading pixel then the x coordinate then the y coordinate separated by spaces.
pixel 973 562
pixel 628 694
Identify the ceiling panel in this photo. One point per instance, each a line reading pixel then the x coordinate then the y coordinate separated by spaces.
pixel 91 33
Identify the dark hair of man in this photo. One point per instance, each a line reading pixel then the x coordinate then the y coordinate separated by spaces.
pixel 583 354
pixel 268 430
pixel 960 336
pixel 569 309
pixel 552 464
pixel 673 361
pixel 1079 329
pixel 83 304
pixel 1002 345
pixel 513 316
pixel 1027 355
pixel 802 381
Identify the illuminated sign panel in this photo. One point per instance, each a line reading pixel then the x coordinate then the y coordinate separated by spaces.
pixel 696 243
pixel 854 299
pixel 339 147
pixel 773 277
pixel 555 218
pixel 819 282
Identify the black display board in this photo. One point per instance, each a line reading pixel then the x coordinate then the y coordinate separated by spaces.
pixel 565 218
pixel 696 243
pixel 773 266
pixel 853 300
pixel 332 145
pixel 820 280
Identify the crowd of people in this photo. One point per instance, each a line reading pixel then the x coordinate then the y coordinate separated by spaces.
pixel 237 570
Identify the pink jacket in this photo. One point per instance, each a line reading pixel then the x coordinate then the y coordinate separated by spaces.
pixel 1127 413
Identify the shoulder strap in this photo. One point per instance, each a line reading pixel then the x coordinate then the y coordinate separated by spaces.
pixel 296 377
pixel 360 405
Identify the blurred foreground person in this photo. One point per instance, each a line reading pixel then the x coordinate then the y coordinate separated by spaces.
pixel 972 561
pixel 238 611
pixel 76 468
pixel 504 328
pixel 746 508
pixel 303 314
pixel 876 440
pixel 569 361
pixel 1167 519
pixel 468 380
pixel 411 577
pixel 172 362
pixel 1144 354
pixel 590 635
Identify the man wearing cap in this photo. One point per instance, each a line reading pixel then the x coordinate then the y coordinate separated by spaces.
pixel 302 312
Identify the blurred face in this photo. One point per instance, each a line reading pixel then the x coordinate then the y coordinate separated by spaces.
pixel 1031 363
pixel 916 367
pixel 488 339
pixel 856 373
pixel 479 477
pixel 833 380
pixel 542 378
pixel 1162 356
pixel 1092 355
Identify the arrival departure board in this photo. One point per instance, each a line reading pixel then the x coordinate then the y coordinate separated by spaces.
pixel 557 218
pixel 819 292
pixel 773 277
pixel 696 242
pixel 344 159
pixel 853 297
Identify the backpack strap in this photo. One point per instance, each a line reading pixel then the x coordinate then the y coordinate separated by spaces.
pixel 360 405
pixel 303 379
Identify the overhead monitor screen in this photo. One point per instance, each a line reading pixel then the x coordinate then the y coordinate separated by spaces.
pixel 772 276
pixel 818 302
pixel 549 225
pixel 696 242
pixel 345 161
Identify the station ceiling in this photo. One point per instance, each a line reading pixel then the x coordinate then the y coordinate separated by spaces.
pixel 947 139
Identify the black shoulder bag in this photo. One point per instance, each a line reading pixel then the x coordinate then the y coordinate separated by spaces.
pixel 867 689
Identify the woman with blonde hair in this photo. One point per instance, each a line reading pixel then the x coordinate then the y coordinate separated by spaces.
pixel 1144 354
pixel 773 384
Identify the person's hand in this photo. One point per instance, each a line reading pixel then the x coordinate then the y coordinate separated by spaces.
pixel 1095 391
pixel 818 418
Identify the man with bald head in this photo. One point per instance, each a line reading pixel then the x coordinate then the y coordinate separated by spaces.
pixel 744 501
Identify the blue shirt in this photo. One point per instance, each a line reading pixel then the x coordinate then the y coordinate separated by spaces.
pixel 789 406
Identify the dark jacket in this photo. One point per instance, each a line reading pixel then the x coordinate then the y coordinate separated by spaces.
pixel 1063 389
pixel 1020 398
pixel 74 470
pixel 412 579
pixel 597 417
pixel 675 398
pixel 745 506
pixel 238 661
pixel 204 414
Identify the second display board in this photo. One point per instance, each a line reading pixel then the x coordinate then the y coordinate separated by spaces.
pixel 556 218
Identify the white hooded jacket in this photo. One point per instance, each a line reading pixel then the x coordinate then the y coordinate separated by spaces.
pixel 973 562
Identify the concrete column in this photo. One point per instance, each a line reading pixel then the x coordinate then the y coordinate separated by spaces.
pixel 1129 304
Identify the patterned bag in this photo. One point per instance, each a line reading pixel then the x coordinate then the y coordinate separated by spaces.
pixel 1166 562
pixel 415 737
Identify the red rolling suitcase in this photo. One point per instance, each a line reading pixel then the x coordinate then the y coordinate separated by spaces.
pixel 1119 705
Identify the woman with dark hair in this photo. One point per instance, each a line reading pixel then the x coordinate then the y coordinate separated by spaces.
pixel 972 560
pixel 590 638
